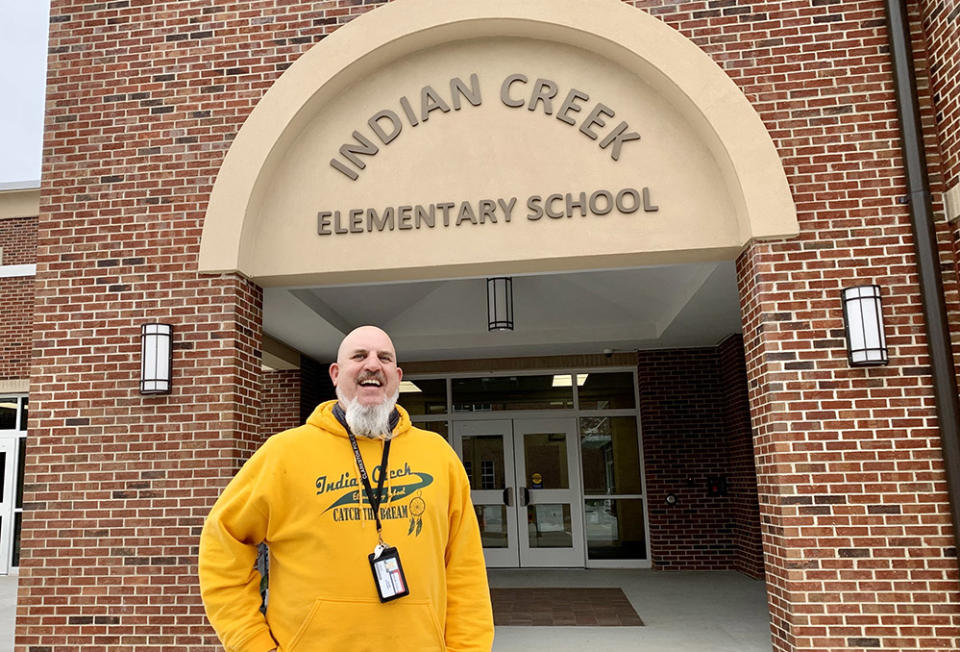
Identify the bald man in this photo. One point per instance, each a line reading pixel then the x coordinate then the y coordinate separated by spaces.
pixel 374 543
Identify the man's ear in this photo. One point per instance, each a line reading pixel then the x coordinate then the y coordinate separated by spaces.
pixel 334 373
pixel 399 373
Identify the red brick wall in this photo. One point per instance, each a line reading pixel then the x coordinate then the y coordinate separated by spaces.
pixel 18 238
pixel 315 385
pixel 773 519
pixel 858 545
pixel 280 406
pixel 16 317
pixel 695 428
pixel 933 42
pixel 936 35
pixel 683 444
pixel 742 511
pixel 144 99
pixel 941 29
pixel 858 542
pixel 118 485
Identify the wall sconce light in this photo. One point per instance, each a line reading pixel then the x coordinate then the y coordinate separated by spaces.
pixel 156 358
pixel 863 321
pixel 500 304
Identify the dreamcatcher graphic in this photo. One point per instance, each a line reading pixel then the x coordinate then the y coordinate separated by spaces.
pixel 417 507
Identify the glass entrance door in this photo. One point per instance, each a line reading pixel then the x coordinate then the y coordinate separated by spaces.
pixel 549 501
pixel 486 448
pixel 7 451
pixel 525 484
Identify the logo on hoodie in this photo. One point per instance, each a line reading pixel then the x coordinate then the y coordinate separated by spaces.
pixel 403 500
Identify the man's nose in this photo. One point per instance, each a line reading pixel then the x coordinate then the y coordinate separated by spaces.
pixel 372 362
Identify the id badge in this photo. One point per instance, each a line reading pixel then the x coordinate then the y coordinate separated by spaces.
pixel 388 573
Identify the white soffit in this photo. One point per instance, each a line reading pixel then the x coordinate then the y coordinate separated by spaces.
pixel 580 312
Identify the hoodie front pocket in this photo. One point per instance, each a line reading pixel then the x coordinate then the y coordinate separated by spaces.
pixel 361 625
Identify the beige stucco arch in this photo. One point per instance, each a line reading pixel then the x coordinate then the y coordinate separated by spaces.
pixel 720 116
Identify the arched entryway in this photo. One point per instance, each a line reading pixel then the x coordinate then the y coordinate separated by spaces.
pixel 506 141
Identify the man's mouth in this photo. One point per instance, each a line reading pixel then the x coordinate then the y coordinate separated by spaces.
pixel 370 382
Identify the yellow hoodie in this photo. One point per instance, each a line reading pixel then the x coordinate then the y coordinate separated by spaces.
pixel 301 495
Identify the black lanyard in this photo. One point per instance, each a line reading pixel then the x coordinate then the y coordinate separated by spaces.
pixel 374 500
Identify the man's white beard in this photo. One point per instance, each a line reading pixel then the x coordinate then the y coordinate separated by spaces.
pixel 372 421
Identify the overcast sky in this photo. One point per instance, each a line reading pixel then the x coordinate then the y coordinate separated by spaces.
pixel 23 70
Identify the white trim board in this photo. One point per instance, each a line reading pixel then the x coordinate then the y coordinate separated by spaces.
pixel 11 271
pixel 951 202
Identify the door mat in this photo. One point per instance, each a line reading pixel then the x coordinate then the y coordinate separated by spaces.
pixel 563 607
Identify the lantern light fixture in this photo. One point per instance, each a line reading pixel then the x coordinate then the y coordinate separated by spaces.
pixel 500 304
pixel 156 358
pixel 863 322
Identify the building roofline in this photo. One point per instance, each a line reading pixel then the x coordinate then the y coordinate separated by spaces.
pixel 32 184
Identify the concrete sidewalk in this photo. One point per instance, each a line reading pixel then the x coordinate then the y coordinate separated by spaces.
pixel 8 611
pixel 682 612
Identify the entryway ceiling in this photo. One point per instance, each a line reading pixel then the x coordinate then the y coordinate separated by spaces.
pixel 572 313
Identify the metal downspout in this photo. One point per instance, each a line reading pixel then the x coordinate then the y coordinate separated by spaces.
pixel 928 257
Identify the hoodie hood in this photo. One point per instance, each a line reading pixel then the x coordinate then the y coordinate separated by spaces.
pixel 324 418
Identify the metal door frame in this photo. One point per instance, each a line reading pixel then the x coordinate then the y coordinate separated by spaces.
pixel 513 495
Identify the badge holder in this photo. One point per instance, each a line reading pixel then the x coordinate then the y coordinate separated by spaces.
pixel 388 573
pixel 384 560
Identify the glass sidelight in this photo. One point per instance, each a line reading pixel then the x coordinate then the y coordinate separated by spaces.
pixel 555 462
pixel 613 488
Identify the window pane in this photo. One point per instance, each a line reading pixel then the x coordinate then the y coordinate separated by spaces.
pixel 22 465
pixel 17 522
pixel 545 459
pixel 483 460
pixel 510 393
pixel 424 396
pixel 549 526
pixel 23 414
pixel 611 455
pixel 493 525
pixel 439 427
pixel 615 529
pixel 607 391
pixel 8 412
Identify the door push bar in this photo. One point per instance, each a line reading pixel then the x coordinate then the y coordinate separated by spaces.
pixel 508 496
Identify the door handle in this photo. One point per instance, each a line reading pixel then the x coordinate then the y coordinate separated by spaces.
pixel 508 496
pixel 524 496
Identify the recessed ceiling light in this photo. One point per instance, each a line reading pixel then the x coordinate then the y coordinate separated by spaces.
pixel 566 380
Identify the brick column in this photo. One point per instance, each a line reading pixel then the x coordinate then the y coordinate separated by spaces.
pixel 742 483
pixel 118 484
pixel 857 538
